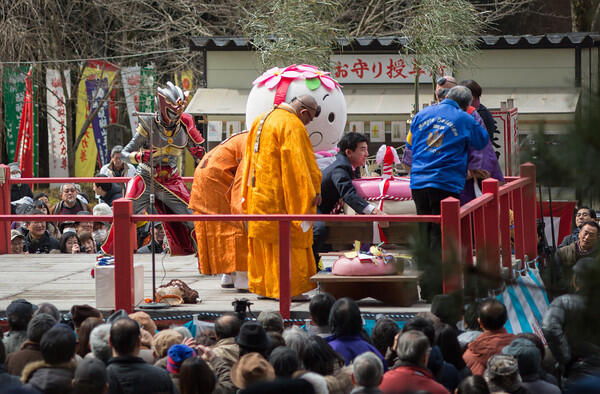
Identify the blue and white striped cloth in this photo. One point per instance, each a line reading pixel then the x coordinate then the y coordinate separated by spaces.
pixel 526 302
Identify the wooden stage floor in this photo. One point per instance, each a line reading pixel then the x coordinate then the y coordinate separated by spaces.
pixel 65 280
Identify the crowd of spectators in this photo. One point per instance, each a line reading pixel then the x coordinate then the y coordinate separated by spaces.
pixel 82 236
pixel 82 352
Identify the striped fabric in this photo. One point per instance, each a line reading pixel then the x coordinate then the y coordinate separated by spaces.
pixel 526 302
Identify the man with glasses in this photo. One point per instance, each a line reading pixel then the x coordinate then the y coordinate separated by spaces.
pixel 281 176
pixel 583 215
pixel 69 204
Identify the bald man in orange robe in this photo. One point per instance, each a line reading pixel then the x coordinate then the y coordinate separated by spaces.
pixel 222 246
pixel 281 176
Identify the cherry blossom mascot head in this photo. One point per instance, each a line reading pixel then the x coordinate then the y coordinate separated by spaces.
pixel 279 85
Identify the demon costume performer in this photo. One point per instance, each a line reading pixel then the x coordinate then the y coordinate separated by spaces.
pixel 172 132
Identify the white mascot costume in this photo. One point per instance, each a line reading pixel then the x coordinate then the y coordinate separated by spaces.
pixel 279 85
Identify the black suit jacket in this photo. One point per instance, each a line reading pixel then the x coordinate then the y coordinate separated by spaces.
pixel 337 183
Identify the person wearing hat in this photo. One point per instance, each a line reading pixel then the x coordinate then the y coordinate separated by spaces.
pixel 117 167
pixel 176 355
pixel 502 375
pixel 529 359
pixel 159 237
pixel 18 190
pixel 18 313
pixel 252 338
pixel 16 241
pixel 100 231
pixel 252 368
pixel 570 325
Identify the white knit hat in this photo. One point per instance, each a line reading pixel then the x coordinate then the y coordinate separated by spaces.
pixel 102 209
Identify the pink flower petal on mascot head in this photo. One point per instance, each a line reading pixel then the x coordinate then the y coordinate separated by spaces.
pixel 329 82
pixel 270 73
pixel 274 81
pixel 308 67
pixel 291 67
pixel 291 74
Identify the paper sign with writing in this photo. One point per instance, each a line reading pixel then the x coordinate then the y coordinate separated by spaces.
pixel 379 69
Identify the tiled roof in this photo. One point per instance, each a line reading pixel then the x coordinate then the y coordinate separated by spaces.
pixel 554 40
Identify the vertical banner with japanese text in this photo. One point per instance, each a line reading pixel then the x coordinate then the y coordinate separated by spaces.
pixel 25 142
pixel 86 155
pixel 147 88
pixel 58 160
pixel 131 87
pixel 14 96
pixel 96 91
pixel 185 80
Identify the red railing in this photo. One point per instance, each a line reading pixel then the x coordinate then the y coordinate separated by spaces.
pixel 486 219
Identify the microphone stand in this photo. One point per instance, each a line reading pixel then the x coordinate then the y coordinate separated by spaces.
pixel 154 304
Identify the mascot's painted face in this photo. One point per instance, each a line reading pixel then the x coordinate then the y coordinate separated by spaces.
pixel 281 85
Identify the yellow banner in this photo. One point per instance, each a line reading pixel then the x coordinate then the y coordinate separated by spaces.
pixel 185 80
pixel 86 155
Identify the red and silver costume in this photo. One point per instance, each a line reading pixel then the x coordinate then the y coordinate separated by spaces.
pixel 172 132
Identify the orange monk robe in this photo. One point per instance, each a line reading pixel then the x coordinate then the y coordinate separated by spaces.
pixel 281 178
pixel 222 246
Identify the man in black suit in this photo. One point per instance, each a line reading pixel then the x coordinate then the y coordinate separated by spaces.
pixel 337 187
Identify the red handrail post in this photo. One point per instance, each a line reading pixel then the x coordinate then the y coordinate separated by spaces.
pixel 285 264
pixel 527 170
pixel 505 231
pixel 492 229
pixel 4 208
pixel 123 249
pixel 451 247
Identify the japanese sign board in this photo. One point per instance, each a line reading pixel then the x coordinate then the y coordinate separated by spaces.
pixel 57 121
pixel 392 68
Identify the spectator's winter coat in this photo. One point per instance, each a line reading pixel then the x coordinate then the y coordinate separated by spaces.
pixel 8 380
pixel 351 346
pixel 13 340
pixel 130 375
pixel 409 378
pixel 485 346
pixel 443 372
pixel 42 245
pixel 49 379
pixel 16 362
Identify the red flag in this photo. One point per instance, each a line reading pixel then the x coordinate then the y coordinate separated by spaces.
pixel 24 151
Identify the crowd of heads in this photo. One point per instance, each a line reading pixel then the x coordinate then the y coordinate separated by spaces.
pixel 83 351
pixel 85 235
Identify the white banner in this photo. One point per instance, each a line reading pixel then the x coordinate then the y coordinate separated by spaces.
pixel 57 132
pixel 378 69
pixel 131 86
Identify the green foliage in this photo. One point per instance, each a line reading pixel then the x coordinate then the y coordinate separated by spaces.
pixel 571 159
pixel 443 32
pixel 293 32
